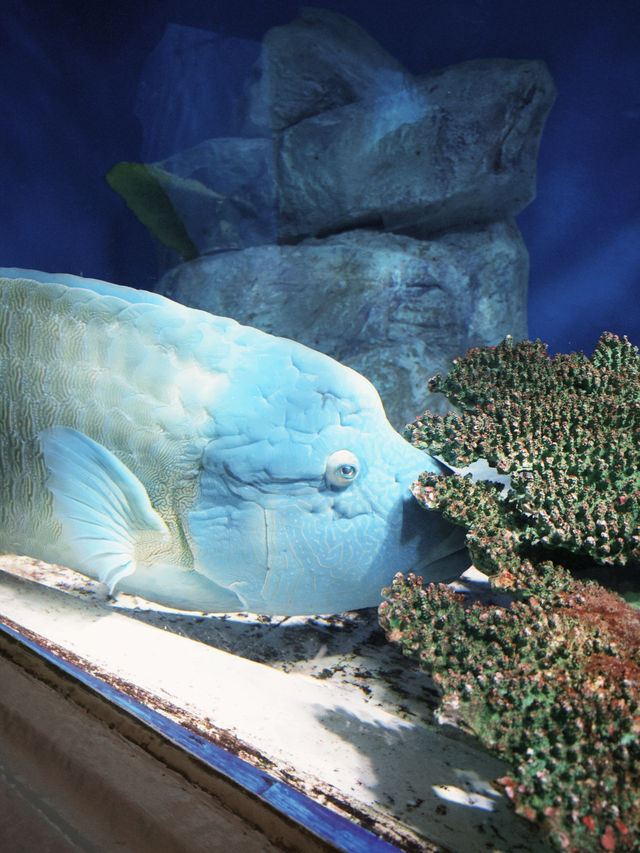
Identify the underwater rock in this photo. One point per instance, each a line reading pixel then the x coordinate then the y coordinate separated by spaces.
pixel 320 61
pixel 551 681
pixel 459 146
pixel 189 88
pixel 394 308
pixel 225 192
pixel 352 141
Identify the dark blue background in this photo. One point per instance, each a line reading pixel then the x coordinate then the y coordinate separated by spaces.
pixel 69 73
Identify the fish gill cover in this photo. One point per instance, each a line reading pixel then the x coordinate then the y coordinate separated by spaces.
pixel 549 677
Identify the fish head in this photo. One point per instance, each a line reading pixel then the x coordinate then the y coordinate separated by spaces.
pixel 304 503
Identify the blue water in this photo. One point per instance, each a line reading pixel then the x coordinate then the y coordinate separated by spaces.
pixel 68 79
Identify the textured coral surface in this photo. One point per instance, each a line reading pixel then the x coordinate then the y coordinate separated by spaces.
pixel 566 429
pixel 549 677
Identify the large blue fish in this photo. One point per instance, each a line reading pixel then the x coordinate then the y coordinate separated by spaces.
pixel 197 462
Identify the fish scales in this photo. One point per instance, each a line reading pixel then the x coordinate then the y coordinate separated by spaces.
pixel 75 385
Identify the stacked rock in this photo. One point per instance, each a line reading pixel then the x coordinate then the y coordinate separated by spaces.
pixel 363 211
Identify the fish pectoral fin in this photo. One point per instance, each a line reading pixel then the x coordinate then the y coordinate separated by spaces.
pixel 104 509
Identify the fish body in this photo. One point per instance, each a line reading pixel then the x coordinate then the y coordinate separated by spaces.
pixel 197 462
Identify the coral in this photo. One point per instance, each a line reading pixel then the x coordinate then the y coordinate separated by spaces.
pixel 548 689
pixel 566 430
pixel 549 678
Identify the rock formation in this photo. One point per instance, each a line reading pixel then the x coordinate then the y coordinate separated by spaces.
pixel 363 211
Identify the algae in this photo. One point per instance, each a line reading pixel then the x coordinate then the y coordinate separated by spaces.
pixel 142 189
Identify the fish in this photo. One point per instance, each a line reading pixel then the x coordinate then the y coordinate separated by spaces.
pixel 196 462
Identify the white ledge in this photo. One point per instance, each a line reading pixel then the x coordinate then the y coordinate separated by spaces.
pixel 408 780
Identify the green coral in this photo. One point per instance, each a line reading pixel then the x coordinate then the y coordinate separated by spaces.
pixel 566 430
pixel 550 680
pixel 548 688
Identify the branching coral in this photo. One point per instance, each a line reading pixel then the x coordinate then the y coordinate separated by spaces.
pixel 550 679
pixel 567 430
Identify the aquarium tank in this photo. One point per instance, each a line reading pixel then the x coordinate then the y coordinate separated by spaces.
pixel 441 197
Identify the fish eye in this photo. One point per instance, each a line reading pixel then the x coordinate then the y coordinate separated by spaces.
pixel 342 468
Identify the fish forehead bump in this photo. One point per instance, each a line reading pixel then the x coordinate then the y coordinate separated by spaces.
pixel 279 383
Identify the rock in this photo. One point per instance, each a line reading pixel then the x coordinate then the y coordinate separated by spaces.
pixel 189 89
pixel 395 308
pixel 240 172
pixel 459 146
pixel 320 61
pixel 349 139
pixel 341 145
